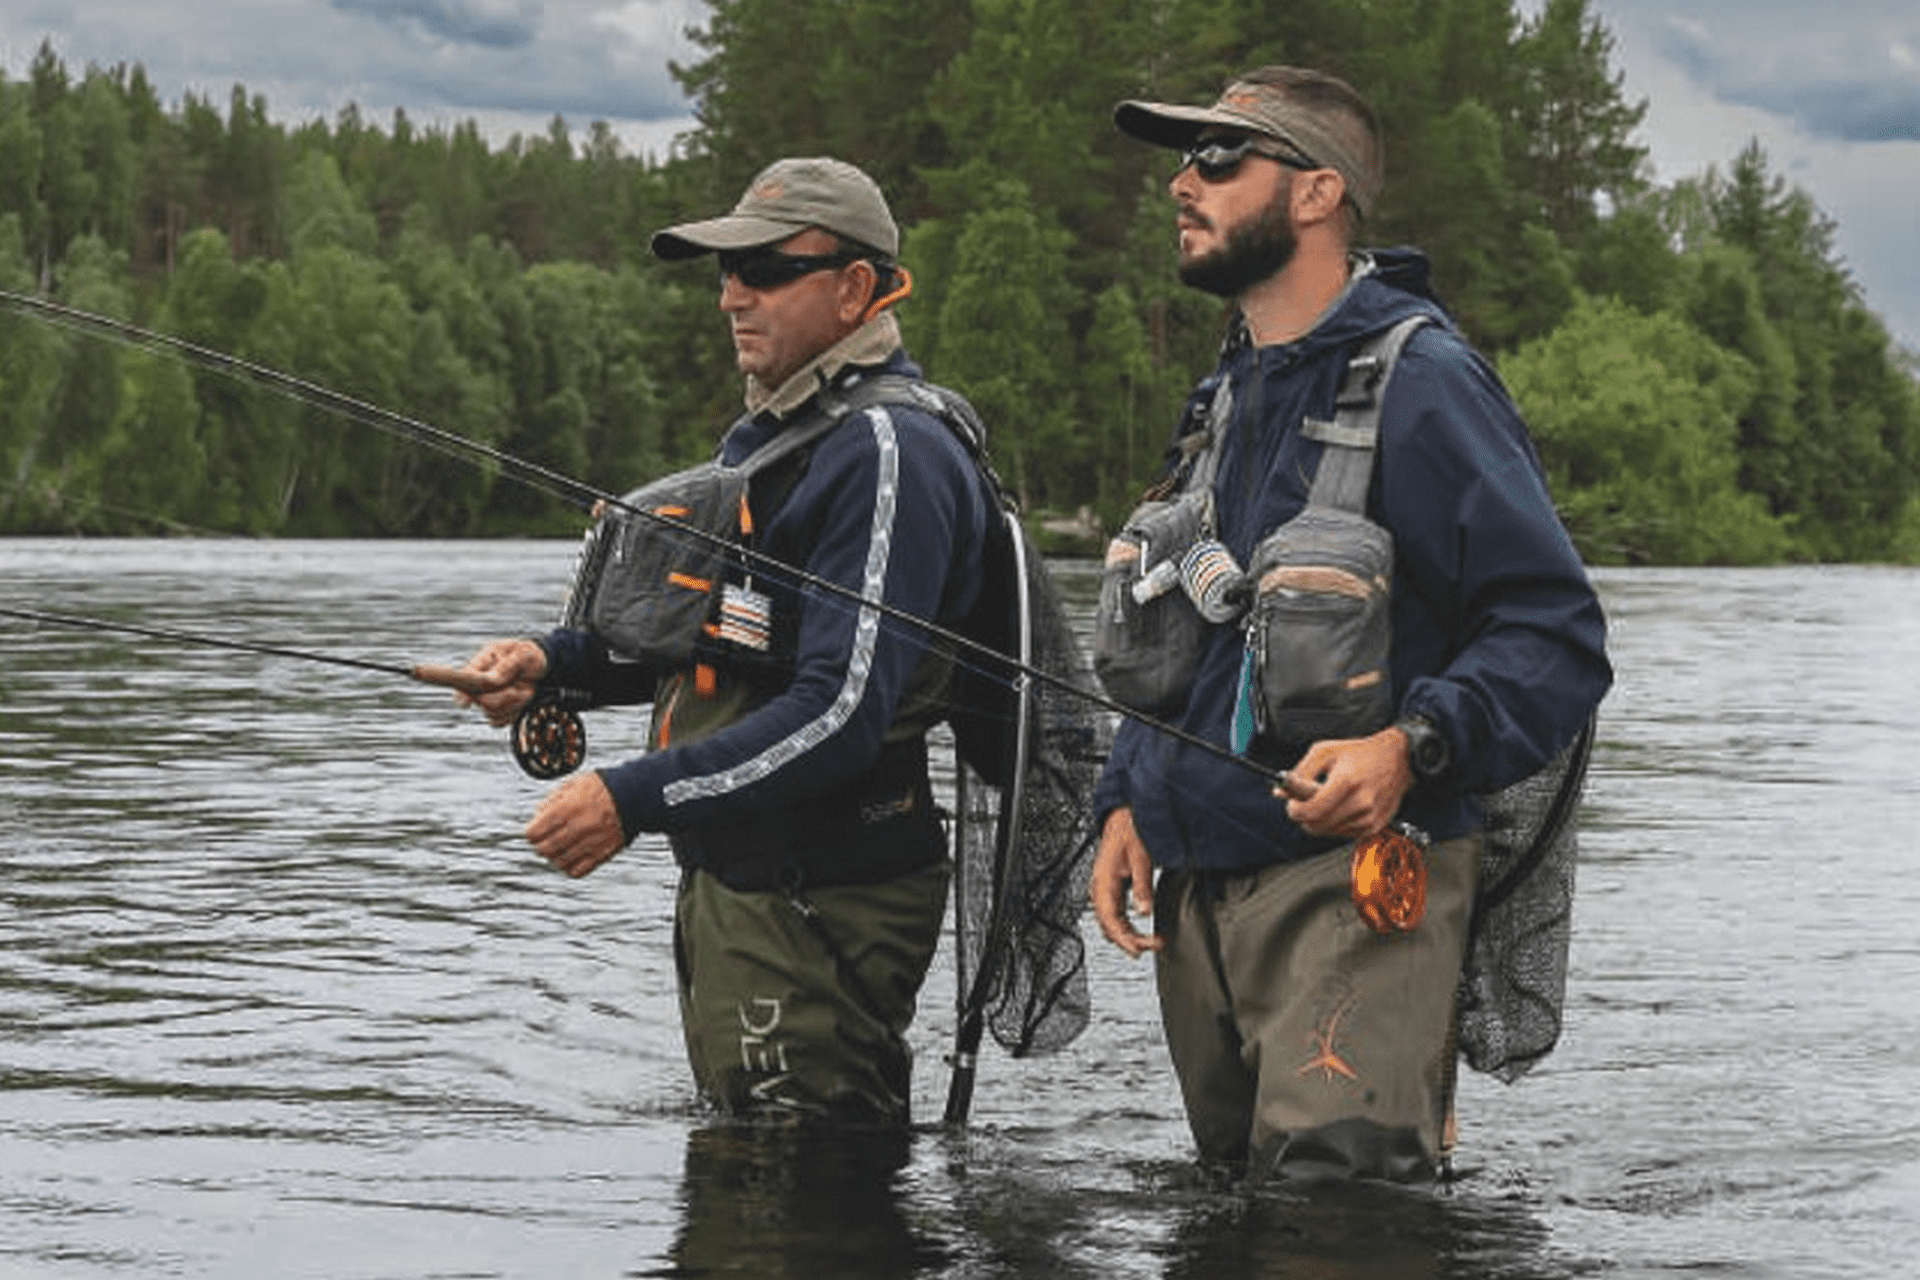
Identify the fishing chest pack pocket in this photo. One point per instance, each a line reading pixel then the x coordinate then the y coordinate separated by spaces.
pixel 654 565
pixel 1321 628
pixel 651 580
pixel 1148 633
pixel 647 588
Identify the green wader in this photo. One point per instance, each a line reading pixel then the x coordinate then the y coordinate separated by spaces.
pixel 1308 1045
pixel 800 1002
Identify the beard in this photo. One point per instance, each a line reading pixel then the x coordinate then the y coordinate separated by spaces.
pixel 1253 251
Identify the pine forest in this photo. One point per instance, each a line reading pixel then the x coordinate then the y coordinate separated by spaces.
pixel 1702 377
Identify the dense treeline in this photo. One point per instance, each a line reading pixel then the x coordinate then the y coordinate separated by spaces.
pixel 1703 379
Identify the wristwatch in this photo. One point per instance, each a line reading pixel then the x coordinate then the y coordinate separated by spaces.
pixel 1427 749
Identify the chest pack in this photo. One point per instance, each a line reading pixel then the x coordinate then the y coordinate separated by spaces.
pixel 1148 629
pixel 652 579
pixel 1314 603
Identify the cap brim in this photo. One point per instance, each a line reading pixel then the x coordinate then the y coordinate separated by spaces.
pixel 691 239
pixel 1167 124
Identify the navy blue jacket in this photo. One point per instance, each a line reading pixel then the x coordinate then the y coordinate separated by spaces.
pixel 890 506
pixel 1498 638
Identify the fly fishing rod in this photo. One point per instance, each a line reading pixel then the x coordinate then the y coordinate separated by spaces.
pixel 589 498
pixel 449 677
pixel 542 743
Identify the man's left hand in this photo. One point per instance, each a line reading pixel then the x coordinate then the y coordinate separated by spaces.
pixel 577 827
pixel 1361 782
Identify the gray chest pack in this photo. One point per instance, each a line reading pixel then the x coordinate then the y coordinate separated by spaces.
pixel 652 576
pixel 1313 605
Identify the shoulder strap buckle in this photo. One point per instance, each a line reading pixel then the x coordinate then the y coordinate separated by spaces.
pixel 1349 441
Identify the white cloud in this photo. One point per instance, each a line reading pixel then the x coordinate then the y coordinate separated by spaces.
pixel 647 33
pixel 510 65
pixel 1718 74
pixel 1834 81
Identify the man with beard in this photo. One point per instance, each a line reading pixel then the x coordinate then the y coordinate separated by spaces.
pixel 1308 1040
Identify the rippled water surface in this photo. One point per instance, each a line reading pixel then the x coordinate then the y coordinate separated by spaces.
pixel 283 994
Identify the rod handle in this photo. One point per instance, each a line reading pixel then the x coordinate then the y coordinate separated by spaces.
pixel 471 683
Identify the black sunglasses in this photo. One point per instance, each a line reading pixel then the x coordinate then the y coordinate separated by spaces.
pixel 1215 159
pixel 770 269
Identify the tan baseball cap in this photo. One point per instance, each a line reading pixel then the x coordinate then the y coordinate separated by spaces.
pixel 786 198
pixel 1326 138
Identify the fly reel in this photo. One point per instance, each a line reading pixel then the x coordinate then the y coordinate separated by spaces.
pixel 548 740
pixel 1389 879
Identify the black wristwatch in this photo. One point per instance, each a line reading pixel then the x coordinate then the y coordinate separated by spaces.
pixel 1427 749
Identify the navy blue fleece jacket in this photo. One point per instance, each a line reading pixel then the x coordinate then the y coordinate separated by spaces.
pixel 1498 638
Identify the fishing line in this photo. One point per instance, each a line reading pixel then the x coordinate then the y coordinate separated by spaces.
pixel 591 499
pixel 545 744
pixel 60 502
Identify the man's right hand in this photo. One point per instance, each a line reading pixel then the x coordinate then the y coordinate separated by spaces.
pixel 1122 871
pixel 513 667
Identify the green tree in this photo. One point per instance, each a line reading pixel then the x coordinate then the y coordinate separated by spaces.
pixel 1834 454
pixel 835 77
pixel 1117 402
pixel 30 383
pixel 91 278
pixel 1001 328
pixel 509 294
pixel 103 131
pixel 250 438
pixel 1635 419
pixel 1573 123
pixel 319 210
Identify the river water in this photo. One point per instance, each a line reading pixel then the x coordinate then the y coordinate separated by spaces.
pixel 282 994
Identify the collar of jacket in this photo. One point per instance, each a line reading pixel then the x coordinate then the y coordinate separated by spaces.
pixel 871 344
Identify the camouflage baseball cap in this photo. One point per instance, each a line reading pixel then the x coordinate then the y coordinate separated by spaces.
pixel 786 198
pixel 1326 136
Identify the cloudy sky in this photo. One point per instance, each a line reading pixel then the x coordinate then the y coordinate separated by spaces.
pixel 1832 91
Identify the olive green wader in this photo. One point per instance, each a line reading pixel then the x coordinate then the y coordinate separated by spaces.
pixel 798 972
pixel 801 1002
pixel 1306 1043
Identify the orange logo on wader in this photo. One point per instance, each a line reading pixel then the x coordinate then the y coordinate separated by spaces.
pixel 1326 1058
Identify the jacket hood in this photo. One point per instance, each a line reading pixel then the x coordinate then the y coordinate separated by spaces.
pixel 1388 285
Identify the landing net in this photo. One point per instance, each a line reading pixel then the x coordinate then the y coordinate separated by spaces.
pixel 1513 987
pixel 1021 959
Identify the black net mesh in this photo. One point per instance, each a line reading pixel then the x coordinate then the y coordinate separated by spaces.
pixel 1514 984
pixel 1017 906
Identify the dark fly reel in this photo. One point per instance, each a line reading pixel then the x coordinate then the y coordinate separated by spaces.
pixel 548 740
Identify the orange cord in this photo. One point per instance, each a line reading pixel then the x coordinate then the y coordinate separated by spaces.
pixel 881 304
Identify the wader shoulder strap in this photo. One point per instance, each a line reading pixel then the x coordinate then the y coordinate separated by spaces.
pixel 835 405
pixel 823 417
pixel 947 405
pixel 1346 463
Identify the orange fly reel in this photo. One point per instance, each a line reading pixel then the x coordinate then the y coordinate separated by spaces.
pixel 1389 880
